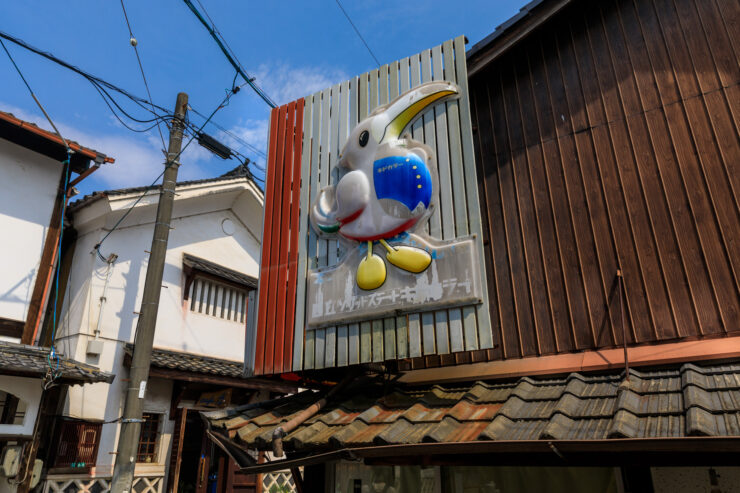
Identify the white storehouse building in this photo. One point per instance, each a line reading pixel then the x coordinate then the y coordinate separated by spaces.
pixel 37 176
pixel 211 267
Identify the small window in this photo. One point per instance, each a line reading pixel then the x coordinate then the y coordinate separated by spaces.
pixel 218 299
pixel 149 438
pixel 12 409
pixel 78 444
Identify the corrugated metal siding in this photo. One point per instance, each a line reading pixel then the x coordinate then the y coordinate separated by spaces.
pixel 607 139
pixel 330 116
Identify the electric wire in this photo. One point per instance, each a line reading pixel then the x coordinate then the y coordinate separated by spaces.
pixel 234 136
pixel 28 86
pixel 170 162
pixel 93 79
pixel 358 33
pixel 53 371
pixel 215 28
pixel 237 66
pixel 103 87
pixel 141 69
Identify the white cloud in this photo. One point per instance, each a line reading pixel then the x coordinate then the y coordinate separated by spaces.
pixel 285 83
pixel 138 157
pixel 254 132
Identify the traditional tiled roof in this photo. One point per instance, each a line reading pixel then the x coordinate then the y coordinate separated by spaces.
pixel 240 172
pixel 47 143
pixel 687 401
pixel 33 361
pixel 175 360
pixel 219 270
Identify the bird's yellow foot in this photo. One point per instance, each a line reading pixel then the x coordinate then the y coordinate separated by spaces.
pixel 407 258
pixel 371 271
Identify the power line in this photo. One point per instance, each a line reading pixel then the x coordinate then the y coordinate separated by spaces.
pixel 141 68
pixel 102 87
pixel 233 136
pixel 237 66
pixel 91 78
pixel 28 86
pixel 358 32
pixel 52 373
pixel 169 163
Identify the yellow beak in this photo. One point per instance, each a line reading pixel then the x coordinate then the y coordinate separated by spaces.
pixel 390 123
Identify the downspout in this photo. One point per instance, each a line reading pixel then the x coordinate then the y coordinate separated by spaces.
pixel 279 433
pixel 110 261
pixel 42 286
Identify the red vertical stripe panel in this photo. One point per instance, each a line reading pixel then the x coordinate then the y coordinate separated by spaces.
pixel 273 222
pixel 284 232
pixel 259 352
pixel 294 228
pixel 278 269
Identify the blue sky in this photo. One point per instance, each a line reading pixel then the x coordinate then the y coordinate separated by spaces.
pixel 292 48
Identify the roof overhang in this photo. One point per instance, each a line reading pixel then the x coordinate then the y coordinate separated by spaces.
pixel 693 451
pixel 668 415
pixel 49 144
pixel 508 34
pixel 20 360
pixel 188 367
pixel 198 196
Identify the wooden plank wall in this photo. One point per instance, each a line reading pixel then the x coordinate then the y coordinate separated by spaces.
pixel 329 117
pixel 606 139
pixel 273 350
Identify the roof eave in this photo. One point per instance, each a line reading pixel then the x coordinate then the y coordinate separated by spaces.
pixel 508 34
pixel 668 451
pixel 49 144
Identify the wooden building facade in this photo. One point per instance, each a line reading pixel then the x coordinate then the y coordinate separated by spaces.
pixel 607 141
pixel 605 190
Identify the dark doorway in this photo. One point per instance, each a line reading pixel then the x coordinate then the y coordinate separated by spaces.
pixel 194 468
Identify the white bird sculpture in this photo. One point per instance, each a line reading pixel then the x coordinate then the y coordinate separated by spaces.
pixel 389 187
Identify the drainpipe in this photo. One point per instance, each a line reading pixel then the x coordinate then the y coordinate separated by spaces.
pixel 281 431
pixel 110 261
pixel 42 287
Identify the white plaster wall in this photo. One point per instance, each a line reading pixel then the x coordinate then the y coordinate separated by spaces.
pixel 196 231
pixel 177 328
pixel 28 183
pixel 28 390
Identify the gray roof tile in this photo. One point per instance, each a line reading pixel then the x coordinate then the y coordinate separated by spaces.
pixel 683 401
pixel 33 361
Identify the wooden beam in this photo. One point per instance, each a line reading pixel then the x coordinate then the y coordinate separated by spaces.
pixel 176 451
pixel 11 328
pixel 668 451
pixel 607 359
pixel 244 383
pixel 46 266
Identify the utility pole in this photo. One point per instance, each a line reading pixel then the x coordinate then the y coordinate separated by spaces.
pixel 123 472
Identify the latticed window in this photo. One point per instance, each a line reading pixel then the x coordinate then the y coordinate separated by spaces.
pixel 218 299
pixel 78 444
pixel 148 438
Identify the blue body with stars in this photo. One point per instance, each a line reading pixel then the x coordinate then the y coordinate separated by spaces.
pixel 403 178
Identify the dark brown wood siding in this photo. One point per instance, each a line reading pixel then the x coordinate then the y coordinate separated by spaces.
pixel 608 139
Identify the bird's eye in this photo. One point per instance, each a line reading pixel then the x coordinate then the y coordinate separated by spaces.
pixel 364 136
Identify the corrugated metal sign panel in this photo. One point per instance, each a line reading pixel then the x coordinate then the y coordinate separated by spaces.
pixel 273 344
pixel 328 118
